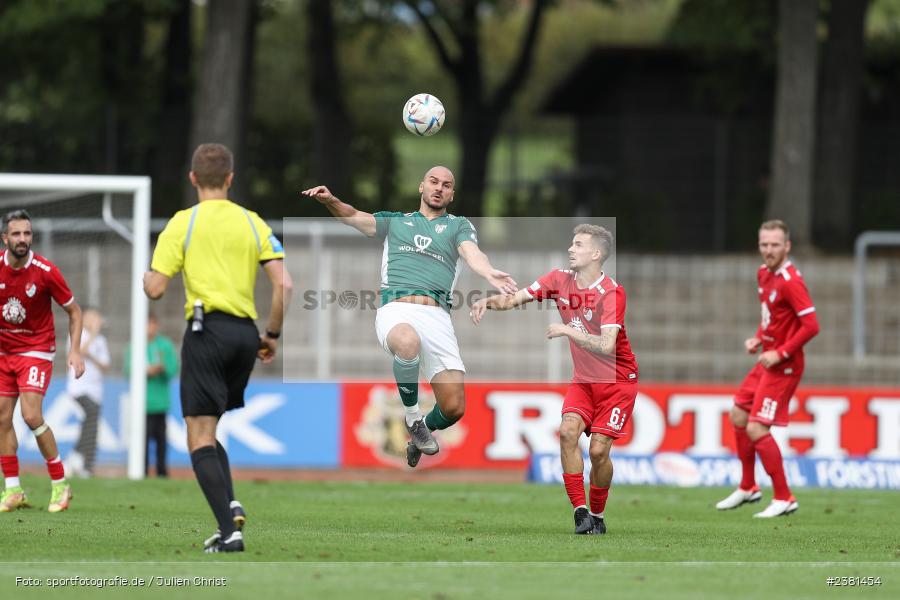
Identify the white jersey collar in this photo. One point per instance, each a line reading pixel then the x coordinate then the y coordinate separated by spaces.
pixel 27 262
pixel 596 283
pixel 593 285
pixel 783 267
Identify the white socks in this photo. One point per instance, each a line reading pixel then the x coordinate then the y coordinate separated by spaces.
pixel 413 414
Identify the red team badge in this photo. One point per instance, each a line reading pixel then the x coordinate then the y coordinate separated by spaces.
pixel 27 335
pixel 603 388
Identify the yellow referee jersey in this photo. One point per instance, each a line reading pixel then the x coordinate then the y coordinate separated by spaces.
pixel 218 245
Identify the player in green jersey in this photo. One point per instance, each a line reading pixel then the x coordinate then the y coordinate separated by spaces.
pixel 420 266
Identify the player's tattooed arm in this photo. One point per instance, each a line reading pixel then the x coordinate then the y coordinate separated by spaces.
pixel 605 343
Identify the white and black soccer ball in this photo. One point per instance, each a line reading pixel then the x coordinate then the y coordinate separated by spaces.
pixel 423 114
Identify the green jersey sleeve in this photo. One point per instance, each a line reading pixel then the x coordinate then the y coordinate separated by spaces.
pixel 465 232
pixel 383 222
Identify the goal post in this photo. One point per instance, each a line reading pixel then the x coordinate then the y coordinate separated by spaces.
pixel 57 186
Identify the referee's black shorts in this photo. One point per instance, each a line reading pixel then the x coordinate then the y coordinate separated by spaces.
pixel 216 364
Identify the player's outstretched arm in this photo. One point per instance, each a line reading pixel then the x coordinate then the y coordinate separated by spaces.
pixel 282 289
pixel 75 361
pixel 605 343
pixel 498 302
pixel 362 221
pixel 479 262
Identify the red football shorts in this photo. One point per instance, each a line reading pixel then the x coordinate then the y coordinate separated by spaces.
pixel 766 395
pixel 604 407
pixel 24 374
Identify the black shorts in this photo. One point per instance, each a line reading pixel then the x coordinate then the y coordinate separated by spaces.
pixel 216 364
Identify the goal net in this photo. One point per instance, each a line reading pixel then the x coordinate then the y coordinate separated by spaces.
pixel 96 229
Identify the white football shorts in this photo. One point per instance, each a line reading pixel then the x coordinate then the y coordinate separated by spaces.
pixel 439 350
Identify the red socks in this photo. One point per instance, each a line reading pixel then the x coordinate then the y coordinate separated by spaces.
pixel 747 455
pixel 598 499
pixel 770 455
pixel 575 488
pixel 10 465
pixel 55 469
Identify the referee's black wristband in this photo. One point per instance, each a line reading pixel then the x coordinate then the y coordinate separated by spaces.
pixel 272 335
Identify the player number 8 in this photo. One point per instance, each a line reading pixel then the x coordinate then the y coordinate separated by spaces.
pixel 33 375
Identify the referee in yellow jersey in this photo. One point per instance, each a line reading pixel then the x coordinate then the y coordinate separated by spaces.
pixel 218 246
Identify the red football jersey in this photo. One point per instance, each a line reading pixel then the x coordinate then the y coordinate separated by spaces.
pixel 600 305
pixel 27 316
pixel 784 300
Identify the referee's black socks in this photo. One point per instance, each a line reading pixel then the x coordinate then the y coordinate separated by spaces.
pixel 226 470
pixel 208 469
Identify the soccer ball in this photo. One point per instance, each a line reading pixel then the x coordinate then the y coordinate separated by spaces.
pixel 423 114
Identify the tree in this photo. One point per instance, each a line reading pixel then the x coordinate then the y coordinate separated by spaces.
pixel 790 196
pixel 171 153
pixel 224 85
pixel 481 111
pixel 121 44
pixel 331 128
pixel 842 67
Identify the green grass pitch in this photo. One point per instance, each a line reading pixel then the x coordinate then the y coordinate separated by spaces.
pixel 446 541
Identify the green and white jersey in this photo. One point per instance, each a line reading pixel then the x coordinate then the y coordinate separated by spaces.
pixel 421 256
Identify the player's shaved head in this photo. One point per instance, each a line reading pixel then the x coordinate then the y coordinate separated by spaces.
pixel 211 165
pixel 441 173
pixel 437 189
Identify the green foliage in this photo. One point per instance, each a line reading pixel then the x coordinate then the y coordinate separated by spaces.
pixel 382 65
pixel 570 31
pixel 80 74
pixel 733 44
pixel 74 72
pixel 883 20
pixel 81 90
pixel 23 18
pixel 386 57
pixel 747 25
pixel 878 210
